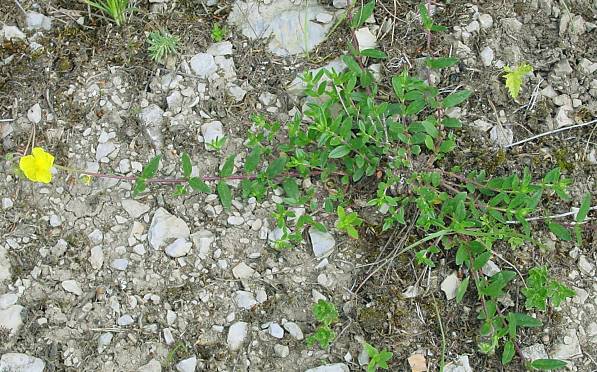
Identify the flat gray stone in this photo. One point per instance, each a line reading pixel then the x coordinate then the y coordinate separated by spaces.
pixel 323 243
pixel 533 352
pixel 336 367
pixel 202 241
pixel 180 247
pixel 237 334
pixel 152 366
pixel 125 320
pixel 12 32
pixel 134 208
pixel 289 24
pixel 34 114
pixel 10 318
pixel 72 286
pixel 223 48
pixel 38 21
pixel 211 131
pixel 8 299
pixel 187 365
pixel 294 330
pixel 152 120
pixel 203 65
pixel 166 227
pixel 245 300
pixel 450 285
pixel 17 362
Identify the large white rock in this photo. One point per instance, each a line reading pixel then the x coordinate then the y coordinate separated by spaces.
pixel 17 362
pixel 10 318
pixel 237 334
pixel 336 367
pixel 203 65
pixel 289 24
pixel 211 131
pixel 72 286
pixel 37 21
pixel 223 48
pixel 166 227
pixel 323 243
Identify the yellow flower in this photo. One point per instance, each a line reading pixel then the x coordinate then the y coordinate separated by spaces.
pixel 36 166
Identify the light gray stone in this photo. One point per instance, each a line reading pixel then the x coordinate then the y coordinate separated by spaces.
pixel 461 364
pixel 152 120
pixel 245 300
pixel 450 285
pixel 72 286
pixel 485 21
pixel 104 149
pixel 501 135
pixel 187 365
pixel 242 271
pixel 104 341
pixel 281 350
pixel 336 367
pixel 275 330
pixel 97 257
pixel 34 114
pixel 563 68
pixel 323 243
pixel 38 21
pixel 237 334
pixel 533 352
pixel 211 131
pixel 8 299
pixel 17 362
pixel 120 264
pixel 134 208
pixel 12 32
pixel 152 366
pixel 166 227
pixel 223 48
pixel 180 247
pixel 237 92
pixel 294 330
pixel 288 24
pixel 4 265
pixel 569 348
pixel 125 320
pixel 365 38
pixel 202 241
pixel 10 318
pixel 203 65
pixel 487 56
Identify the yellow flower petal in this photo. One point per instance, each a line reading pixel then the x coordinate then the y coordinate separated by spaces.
pixel 27 165
pixel 37 166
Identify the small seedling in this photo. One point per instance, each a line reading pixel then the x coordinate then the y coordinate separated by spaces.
pixel 217 144
pixel 115 9
pixel 514 78
pixel 161 44
pixel 218 33
pixel 348 222
pixel 325 312
pixel 377 359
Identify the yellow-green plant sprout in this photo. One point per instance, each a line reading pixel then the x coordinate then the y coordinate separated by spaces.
pixel 115 9
pixel 161 44
pixel 37 166
pixel 514 78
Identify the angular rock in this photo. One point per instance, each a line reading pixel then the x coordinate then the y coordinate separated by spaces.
pixel 166 227
pixel 4 265
pixel 203 65
pixel 275 330
pixel 211 132
pixel 569 349
pixel 12 32
pixel 152 366
pixel 120 264
pixel 237 334
pixel 365 38
pixel 501 135
pixel 202 241
pixel 323 243
pixel 97 257
pixel 485 21
pixel 294 330
pixel 125 320
pixel 187 365
pixel 152 120
pixel 17 362
pixel 34 114
pixel 536 351
pixel 7 300
pixel 38 21
pixel 223 48
pixel 281 350
pixel 134 208
pixel 461 364
pixel 104 341
pixel 180 247
pixel 450 285
pixel 10 318
pixel 244 299
pixel 336 367
pixel 242 271
pixel 284 20
pixel 72 286
pixel 487 56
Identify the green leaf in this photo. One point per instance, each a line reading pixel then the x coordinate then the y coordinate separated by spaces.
pixel 252 159
pixel 139 186
pixel 455 99
pixel 374 53
pixel 548 364
pixel 515 76
pixel 339 152
pixel 451 122
pixel 583 211
pixel 151 168
pixel 447 146
pixel 197 184
pixel 429 142
pixel 362 14
pixel 415 107
pixel 560 231
pixel 225 194
pixel 228 167
pixel 187 167
pixel 481 260
pixel 291 188
pixel 351 64
pixel 442 62
pixel 508 352
pixel 462 289
pixel 276 167
pixel 524 320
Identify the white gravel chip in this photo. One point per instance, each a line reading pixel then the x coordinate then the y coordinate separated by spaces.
pixel 450 285
pixel 134 208
pixel 223 48
pixel 120 264
pixel 7 300
pixel 10 318
pixel 323 243
pixel 165 227
pixel 72 286
pixel 242 271
pixel 336 367
pixel 237 334
pixel 97 257
pixel 17 362
pixel 275 330
pixel 125 320
pixel 203 65
pixel 187 365
pixel 244 299
pixel 34 114
pixel 294 330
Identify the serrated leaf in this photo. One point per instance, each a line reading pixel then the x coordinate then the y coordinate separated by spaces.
pixel 339 152
pixel 362 14
pixel 481 260
pixel 151 168
pixel 583 211
pixel 276 167
pixel 548 364
pixel 508 352
pixel 455 99
pixel 462 289
pixel 252 160
pixel 225 194
pixel 187 167
pixel 228 167
pixel 514 78
pixel 560 231
pixel 197 184
pixel 442 62
pixel 373 53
